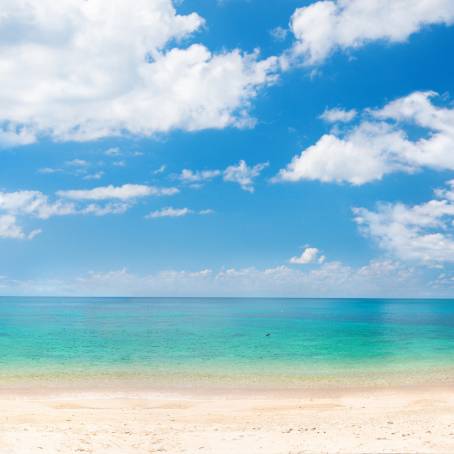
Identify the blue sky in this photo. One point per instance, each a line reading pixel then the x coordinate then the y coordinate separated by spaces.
pixel 240 147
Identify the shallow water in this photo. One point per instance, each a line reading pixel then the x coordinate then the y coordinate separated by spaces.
pixel 225 339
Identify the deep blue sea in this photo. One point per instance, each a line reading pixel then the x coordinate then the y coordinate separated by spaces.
pixel 226 340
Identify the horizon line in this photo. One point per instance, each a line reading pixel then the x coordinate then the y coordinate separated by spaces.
pixel 239 297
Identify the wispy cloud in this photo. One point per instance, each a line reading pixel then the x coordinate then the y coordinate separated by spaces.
pixel 49 170
pixel 170 212
pixel 100 201
pixel 124 192
pixel 78 163
pixel 94 176
pixel 279 33
pixel 113 151
pixel 190 176
pixel 244 175
pixel 159 170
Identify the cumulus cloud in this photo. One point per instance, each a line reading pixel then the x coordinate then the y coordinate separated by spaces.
pixel 125 192
pixel 337 115
pixel 33 203
pixel 381 144
pixel 75 70
pixel 170 212
pixel 28 203
pixel 326 26
pixel 10 229
pixel 243 174
pixel 421 233
pixel 14 135
pixel 309 255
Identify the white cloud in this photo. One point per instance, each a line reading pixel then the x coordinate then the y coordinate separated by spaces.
pixel 206 212
pixel 28 203
pixel 15 135
pixel 355 159
pixel 377 278
pixel 78 163
pixel 94 176
pixel 113 151
pixel 170 212
pixel 76 167
pixel 279 33
pixel 380 145
pixel 10 229
pixel 338 115
pixel 160 170
pixel 421 233
pixel 239 173
pixel 326 26
pixel 125 192
pixel 190 176
pixel 49 170
pixel 33 234
pixel 309 255
pixel 78 70
pixel 33 203
pixel 243 174
pixel 104 210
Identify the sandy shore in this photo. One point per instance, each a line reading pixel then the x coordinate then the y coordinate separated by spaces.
pixel 125 421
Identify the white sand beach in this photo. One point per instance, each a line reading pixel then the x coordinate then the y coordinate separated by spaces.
pixel 126 421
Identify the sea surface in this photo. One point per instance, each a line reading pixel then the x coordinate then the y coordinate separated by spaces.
pixel 227 341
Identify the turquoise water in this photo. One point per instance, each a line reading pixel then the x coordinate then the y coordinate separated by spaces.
pixel 225 339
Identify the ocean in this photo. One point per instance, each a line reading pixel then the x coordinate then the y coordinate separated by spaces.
pixel 227 341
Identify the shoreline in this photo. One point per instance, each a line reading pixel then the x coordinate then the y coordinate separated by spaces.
pixel 192 393
pixel 230 384
pixel 49 388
